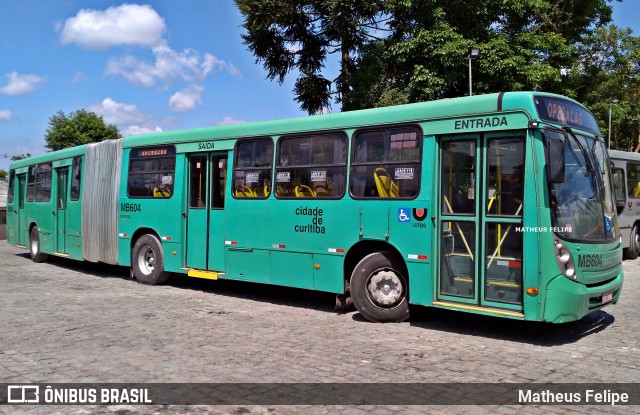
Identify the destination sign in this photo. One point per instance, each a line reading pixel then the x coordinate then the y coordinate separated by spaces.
pixel 153 152
pixel 567 113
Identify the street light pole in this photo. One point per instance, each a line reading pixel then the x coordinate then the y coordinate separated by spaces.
pixel 474 53
pixel 470 81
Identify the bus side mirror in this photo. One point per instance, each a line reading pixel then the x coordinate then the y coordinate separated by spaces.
pixel 555 160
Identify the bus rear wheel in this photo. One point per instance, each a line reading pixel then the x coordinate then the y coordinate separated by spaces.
pixel 147 261
pixel 379 288
pixel 35 249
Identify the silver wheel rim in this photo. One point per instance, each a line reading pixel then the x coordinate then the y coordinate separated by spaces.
pixel 636 242
pixel 385 288
pixel 146 260
pixel 34 245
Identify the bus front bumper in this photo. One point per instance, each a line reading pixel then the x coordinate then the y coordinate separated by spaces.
pixel 567 300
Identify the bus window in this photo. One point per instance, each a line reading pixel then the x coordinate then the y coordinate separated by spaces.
pixel 386 163
pixel 633 180
pixel 151 172
pixel 505 166
pixel 458 177
pixel 31 184
pixel 43 182
pixel 252 168
pixel 198 180
pixel 10 191
pixel 39 183
pixel 313 166
pixel 76 171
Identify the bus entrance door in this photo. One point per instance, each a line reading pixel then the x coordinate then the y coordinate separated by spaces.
pixel 205 211
pixel 62 174
pixel 481 193
pixel 21 216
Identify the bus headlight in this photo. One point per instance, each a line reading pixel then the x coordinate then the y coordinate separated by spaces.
pixel 564 260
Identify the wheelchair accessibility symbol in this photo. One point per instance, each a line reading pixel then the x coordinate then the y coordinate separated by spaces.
pixel 403 216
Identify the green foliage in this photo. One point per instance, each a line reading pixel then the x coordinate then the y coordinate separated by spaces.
pixel 3 174
pixel 296 36
pixel 79 127
pixel 610 71
pixel 20 156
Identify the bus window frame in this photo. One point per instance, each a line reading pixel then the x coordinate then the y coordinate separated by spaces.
pixel 235 169
pixel 385 127
pixel 629 189
pixel 33 183
pixel 77 159
pixel 310 166
pixel 11 186
pixel 173 155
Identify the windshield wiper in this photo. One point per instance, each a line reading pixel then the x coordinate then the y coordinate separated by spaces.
pixel 587 159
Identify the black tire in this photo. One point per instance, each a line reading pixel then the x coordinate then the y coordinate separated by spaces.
pixel 379 288
pixel 35 249
pixel 147 261
pixel 634 245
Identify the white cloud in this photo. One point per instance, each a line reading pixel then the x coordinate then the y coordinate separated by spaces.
pixel 137 130
pixel 188 65
pixel 187 99
pixel 78 78
pixel 230 120
pixel 6 115
pixel 117 113
pixel 21 84
pixel 128 24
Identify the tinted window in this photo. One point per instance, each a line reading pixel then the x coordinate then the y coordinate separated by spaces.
pixel 386 163
pixel 252 168
pixel 151 172
pixel 12 178
pixel 76 172
pixel 313 166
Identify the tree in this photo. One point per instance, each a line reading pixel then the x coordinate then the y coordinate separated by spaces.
pixel 3 174
pixel 610 71
pixel 524 46
pixel 293 35
pixel 20 156
pixel 79 127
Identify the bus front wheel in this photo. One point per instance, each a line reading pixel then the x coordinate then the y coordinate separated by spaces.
pixel 147 261
pixel 634 245
pixel 379 288
pixel 35 250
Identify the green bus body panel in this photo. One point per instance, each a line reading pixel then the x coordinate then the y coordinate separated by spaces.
pixel 303 243
pixel 44 214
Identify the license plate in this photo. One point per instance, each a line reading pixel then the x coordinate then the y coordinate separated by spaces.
pixel 606 297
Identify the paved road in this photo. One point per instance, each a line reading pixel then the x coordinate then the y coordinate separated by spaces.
pixel 65 321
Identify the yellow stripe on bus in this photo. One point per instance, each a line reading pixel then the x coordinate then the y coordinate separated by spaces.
pixel 481 309
pixel 197 273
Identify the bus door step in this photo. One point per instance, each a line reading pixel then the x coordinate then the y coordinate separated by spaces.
pixel 209 275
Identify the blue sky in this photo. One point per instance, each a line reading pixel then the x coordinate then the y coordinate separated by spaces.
pixel 157 65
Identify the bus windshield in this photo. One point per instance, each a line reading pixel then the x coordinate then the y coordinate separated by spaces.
pixel 582 206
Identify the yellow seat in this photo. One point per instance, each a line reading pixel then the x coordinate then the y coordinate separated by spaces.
pixel 384 183
pixel 161 192
pixel 304 191
pixel 244 191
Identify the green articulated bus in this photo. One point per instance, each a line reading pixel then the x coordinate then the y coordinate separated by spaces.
pixel 432 204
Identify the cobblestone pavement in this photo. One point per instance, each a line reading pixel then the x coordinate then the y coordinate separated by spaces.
pixel 66 321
